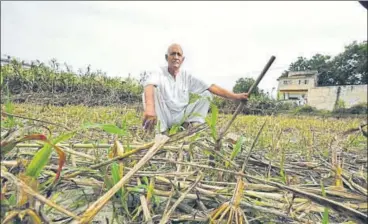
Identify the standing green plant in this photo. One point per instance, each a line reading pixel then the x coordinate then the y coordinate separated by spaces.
pixel 117 169
pixel 236 150
pixel 325 212
pixel 211 120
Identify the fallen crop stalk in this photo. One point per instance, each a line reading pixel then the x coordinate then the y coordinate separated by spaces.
pixel 90 213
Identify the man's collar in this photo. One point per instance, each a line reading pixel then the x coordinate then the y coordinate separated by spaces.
pixel 165 70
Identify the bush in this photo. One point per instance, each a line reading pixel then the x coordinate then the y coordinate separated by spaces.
pixel 284 106
pixel 361 108
pixel 256 105
pixel 40 78
pixel 305 109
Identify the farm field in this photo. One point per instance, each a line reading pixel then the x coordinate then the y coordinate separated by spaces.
pixel 105 169
pixel 285 137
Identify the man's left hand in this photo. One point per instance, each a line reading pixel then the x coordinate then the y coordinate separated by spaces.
pixel 241 96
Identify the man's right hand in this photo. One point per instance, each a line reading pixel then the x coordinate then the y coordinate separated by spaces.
pixel 149 115
pixel 149 120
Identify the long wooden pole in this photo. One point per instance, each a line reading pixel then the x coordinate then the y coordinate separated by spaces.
pixel 242 103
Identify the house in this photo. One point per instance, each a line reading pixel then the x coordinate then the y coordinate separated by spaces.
pixel 301 87
pixel 294 86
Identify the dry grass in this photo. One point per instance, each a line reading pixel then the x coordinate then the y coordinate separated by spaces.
pixel 112 174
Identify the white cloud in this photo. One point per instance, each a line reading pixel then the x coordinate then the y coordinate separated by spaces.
pixel 222 41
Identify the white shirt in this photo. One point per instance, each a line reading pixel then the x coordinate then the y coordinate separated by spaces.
pixel 175 92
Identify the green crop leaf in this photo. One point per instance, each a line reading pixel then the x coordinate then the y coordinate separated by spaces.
pixel 325 212
pixel 42 157
pixel 237 147
pixel 325 216
pixel 150 189
pixel 214 111
pixel 109 128
pixel 124 126
pixel 116 176
pixel 39 160
pixel 90 125
pixel 12 200
pixel 283 176
pixel 139 187
pixel 194 137
pixel 112 129
pixel 282 163
pixel 174 129
pixel 145 180
pixel 236 150
pixel 9 108
pixel 212 120
pixel 1 79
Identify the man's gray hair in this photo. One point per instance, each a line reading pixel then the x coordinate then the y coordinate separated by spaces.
pixel 172 45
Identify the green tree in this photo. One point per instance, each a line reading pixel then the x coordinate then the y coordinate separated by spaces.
pixel 350 67
pixel 301 64
pixel 347 68
pixel 242 85
pixel 318 62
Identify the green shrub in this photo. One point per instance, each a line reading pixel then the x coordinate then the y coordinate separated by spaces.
pixel 284 106
pixel 40 78
pixel 340 105
pixel 305 109
pixel 361 108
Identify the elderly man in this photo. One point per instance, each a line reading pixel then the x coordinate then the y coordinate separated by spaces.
pixel 167 92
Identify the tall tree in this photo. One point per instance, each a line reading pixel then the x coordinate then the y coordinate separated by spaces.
pixel 317 62
pixel 348 68
pixel 242 85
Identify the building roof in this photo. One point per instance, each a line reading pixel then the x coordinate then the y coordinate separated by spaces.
pixel 291 74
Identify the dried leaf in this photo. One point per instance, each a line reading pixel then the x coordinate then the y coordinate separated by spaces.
pixel 11 215
pixel 10 142
pixel 35 218
pixel 338 177
pixel 22 197
pixel 116 150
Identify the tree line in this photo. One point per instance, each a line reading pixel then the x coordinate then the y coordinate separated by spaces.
pixel 350 67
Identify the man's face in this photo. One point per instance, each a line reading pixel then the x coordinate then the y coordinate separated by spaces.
pixel 175 56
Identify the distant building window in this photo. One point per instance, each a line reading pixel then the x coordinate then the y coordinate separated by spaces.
pixel 285 82
pixel 306 82
pixel 300 82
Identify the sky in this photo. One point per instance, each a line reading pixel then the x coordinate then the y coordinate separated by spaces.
pixel 222 41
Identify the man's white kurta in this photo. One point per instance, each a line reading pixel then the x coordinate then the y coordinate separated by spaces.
pixel 172 97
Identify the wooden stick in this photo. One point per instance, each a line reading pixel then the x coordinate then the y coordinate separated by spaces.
pixel 242 103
